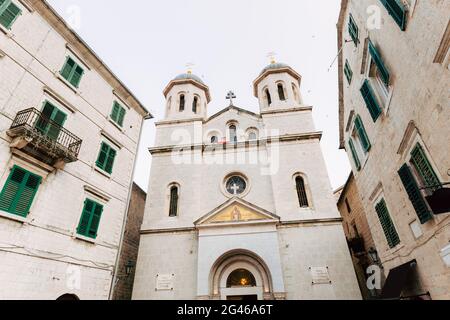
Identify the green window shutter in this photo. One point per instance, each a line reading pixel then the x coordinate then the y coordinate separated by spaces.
pixel 19 191
pixel 76 76
pixel 9 12
pixel 362 134
pixel 398 11
pixel 50 112
pixel 90 219
pixel 348 72
pixel 102 156
pixel 67 68
pixel 121 116
pixel 354 154
pixel 424 168
pixel 370 100
pixel 110 160
pixel 386 222
pixel 384 72
pixel 414 194
pixel 353 30
pixel 115 111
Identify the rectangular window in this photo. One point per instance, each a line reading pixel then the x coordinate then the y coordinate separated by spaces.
pixel 354 155
pixel 9 12
pixel 90 219
pixel 362 134
pixel 386 223
pixel 19 191
pixel 72 72
pixel 118 113
pixel 106 157
pixel 348 72
pixel 376 56
pixel 414 194
pixel 423 167
pixel 370 100
pixel 51 121
pixel 353 30
pixel 398 11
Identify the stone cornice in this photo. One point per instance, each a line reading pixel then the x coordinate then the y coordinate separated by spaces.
pixel 288 70
pixel 288 110
pixel 243 144
pixel 188 81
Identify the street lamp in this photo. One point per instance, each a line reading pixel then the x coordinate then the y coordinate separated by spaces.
pixel 373 254
pixel 129 267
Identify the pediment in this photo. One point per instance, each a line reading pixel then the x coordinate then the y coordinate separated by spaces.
pixel 236 211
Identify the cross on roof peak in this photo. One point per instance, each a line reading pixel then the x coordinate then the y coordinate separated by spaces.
pixel 231 96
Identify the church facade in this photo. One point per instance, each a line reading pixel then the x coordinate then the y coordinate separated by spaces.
pixel 241 204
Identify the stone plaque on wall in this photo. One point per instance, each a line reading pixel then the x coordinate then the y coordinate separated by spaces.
pixel 320 275
pixel 164 282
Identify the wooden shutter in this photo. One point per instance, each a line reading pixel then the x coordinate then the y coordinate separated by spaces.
pixel 362 134
pixel 76 76
pixel 58 119
pixel 414 194
pixel 115 111
pixel 102 156
pixel 398 11
pixel 370 100
pixel 348 72
pixel 9 14
pixel 110 160
pixel 95 220
pixel 354 154
pixel 19 191
pixel 424 168
pixel 121 116
pixel 353 30
pixel 386 223
pixel 67 68
pixel 379 62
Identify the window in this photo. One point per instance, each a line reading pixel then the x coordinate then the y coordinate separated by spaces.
pixel 236 185
pixel 194 105
pixel 354 154
pixel 19 191
pixel 90 219
pixel 118 113
pixel 173 207
pixel 386 223
pixel 301 192
pixel 106 157
pixel 362 135
pixel 182 102
pixel 72 72
pixel 281 94
pixel 252 136
pixel 51 121
pixel 214 140
pixel 423 167
pixel 397 10
pixel 353 30
pixel 233 134
pixel 241 278
pixel 348 72
pixel 268 97
pixel 9 12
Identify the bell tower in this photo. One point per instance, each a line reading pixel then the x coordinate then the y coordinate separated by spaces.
pixel 278 87
pixel 187 97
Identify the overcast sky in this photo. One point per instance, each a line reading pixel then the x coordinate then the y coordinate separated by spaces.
pixel 147 43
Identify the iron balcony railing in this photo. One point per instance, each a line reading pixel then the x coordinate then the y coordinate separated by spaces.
pixel 57 141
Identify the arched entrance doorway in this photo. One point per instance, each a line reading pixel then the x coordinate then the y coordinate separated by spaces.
pixel 68 297
pixel 240 275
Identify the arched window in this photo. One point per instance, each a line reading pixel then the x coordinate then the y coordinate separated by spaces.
pixel 301 192
pixel 296 95
pixel 268 97
pixel 233 134
pixel 281 92
pixel 173 209
pixel 252 136
pixel 194 105
pixel 241 278
pixel 214 139
pixel 182 102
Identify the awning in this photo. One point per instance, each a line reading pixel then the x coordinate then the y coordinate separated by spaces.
pixel 396 280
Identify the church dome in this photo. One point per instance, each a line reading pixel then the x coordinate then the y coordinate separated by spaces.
pixel 276 65
pixel 191 76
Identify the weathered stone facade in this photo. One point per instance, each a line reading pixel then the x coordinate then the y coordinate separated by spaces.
pixel 42 255
pixel 408 72
pixel 130 245
pixel 357 231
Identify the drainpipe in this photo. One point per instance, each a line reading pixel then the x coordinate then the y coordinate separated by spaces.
pixel 122 232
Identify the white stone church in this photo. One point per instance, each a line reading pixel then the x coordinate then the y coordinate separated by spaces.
pixel 240 205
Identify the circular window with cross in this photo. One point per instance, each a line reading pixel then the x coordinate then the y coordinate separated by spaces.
pixel 236 185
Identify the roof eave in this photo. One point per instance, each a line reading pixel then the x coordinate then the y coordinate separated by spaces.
pixel 186 81
pixel 340 26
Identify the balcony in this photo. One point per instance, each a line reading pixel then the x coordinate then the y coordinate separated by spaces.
pixel 44 139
